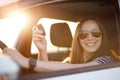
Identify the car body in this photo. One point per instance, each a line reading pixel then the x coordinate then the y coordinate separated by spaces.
pixel 63 11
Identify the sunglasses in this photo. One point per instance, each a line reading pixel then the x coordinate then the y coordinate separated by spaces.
pixel 84 34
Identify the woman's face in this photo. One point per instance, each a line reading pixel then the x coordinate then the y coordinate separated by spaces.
pixel 90 36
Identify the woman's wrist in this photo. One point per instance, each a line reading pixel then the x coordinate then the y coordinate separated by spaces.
pixel 43 56
pixel 42 50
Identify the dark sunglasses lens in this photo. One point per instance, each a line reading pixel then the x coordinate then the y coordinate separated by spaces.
pixel 83 35
pixel 96 34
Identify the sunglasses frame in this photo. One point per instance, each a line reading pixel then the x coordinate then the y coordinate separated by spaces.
pixel 93 33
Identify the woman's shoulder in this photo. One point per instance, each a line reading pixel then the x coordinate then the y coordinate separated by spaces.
pixel 104 59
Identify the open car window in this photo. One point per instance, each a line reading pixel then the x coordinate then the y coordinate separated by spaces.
pixel 64 13
pixel 52 13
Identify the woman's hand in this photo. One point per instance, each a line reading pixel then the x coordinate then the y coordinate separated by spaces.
pixel 38 36
pixel 39 39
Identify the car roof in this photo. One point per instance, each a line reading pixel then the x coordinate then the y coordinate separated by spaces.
pixel 94 7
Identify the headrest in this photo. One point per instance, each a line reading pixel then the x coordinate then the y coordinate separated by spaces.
pixel 60 35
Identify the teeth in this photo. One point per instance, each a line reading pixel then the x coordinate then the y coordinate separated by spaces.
pixel 90 44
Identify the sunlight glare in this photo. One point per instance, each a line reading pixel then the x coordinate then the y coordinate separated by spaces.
pixel 18 18
pixel 11 27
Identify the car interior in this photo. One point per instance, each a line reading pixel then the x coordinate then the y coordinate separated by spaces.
pixel 61 33
pixel 63 11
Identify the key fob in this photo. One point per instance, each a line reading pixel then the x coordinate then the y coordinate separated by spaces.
pixel 40 27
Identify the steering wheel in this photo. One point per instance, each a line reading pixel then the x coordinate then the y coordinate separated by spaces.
pixel 2 45
pixel 24 71
pixel 13 68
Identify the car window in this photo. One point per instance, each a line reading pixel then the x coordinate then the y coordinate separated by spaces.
pixel 98 10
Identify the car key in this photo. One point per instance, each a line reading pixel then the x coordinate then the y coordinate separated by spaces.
pixel 40 27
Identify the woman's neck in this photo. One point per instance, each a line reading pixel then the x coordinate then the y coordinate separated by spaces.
pixel 87 56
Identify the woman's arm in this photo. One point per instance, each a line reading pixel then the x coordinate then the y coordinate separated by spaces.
pixel 42 66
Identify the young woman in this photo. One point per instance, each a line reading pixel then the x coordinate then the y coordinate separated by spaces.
pixel 87 49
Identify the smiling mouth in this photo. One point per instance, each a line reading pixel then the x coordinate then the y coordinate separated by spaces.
pixel 91 44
